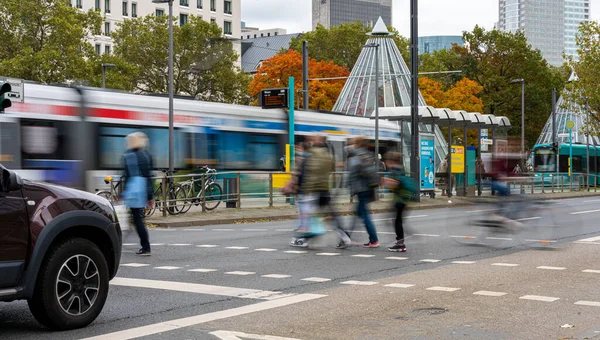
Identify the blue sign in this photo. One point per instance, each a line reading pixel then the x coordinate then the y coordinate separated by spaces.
pixel 427 163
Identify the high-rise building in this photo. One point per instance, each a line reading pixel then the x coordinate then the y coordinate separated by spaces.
pixel 335 12
pixel 549 25
pixel 255 32
pixel 432 43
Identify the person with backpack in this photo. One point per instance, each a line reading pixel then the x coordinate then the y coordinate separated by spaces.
pixel 401 188
pixel 363 183
pixel 138 190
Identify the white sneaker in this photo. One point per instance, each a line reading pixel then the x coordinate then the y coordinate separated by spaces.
pixel 299 242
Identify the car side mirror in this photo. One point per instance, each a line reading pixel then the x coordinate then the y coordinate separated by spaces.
pixel 11 181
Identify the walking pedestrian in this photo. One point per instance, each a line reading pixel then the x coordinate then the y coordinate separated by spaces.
pixel 363 183
pixel 137 191
pixel 395 183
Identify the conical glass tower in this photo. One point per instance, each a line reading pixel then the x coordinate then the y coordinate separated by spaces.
pixel 358 95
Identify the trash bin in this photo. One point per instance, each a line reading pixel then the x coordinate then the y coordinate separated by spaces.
pixel 231 192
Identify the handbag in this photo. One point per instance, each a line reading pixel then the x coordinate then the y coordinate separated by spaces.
pixel 135 194
pixel 123 217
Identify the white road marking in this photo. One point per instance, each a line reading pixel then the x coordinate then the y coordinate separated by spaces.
pixel 463 262
pixel 458 236
pixel 240 273
pixel 427 235
pixel 207 246
pixel 163 229
pixel 157 244
pixel 590 239
pixel 551 268
pixel 316 279
pixel 505 264
pixel 198 288
pixel 236 248
pixel 591 201
pixel 539 298
pixel 379 232
pixel 588 303
pixel 193 229
pixel 255 229
pixel 363 255
pixel 399 285
pixel 383 219
pixel 488 293
pixel 265 249
pixel 201 270
pixel 417 216
pixel 135 265
pixel 223 230
pixel 295 252
pixel 167 268
pixel 593 271
pixel 585 212
pixel 528 219
pixel 359 283
pixel 579 242
pixel 443 289
pixel 480 211
pixel 277 276
pixel 171 325
pixel 541 241
pixel 228 335
pixel 396 258
pixel 129 244
pixel 430 261
pixel 328 254
pixel 180 244
pixel 284 229
pixel 499 238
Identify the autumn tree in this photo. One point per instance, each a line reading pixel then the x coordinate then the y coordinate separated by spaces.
pixel 275 73
pixel 444 60
pixel 343 44
pixel 46 40
pixel 204 61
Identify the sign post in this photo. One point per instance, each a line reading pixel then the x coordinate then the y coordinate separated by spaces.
pixel 291 131
pixel 16 93
pixel 570 126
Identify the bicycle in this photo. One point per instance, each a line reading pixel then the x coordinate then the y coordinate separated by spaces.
pixel 210 195
pixel 174 194
pixel 115 188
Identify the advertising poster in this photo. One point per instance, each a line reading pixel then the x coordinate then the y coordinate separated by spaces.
pixel 458 159
pixel 427 163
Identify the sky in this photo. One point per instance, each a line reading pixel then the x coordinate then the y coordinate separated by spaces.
pixel 436 17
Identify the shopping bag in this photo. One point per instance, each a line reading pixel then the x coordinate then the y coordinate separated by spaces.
pixel 123 217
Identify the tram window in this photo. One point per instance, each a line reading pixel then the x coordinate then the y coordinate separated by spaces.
pixel 544 160
pixel 43 140
pixel 245 151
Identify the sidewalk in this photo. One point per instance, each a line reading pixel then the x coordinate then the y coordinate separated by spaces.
pixel 249 215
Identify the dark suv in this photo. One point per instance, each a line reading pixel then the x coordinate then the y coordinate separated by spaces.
pixel 59 248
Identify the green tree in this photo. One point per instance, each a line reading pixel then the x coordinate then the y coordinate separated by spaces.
pixel 441 61
pixel 343 44
pixel 46 40
pixel 587 69
pixel 204 61
pixel 493 59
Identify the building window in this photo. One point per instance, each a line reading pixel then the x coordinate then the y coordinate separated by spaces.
pixel 97 48
pixel 183 19
pixel 79 4
pixel 268 34
pixel 248 36
pixel 184 3
pixel 227 6
pixel 107 49
pixel 262 35
pixel 227 27
pixel 124 8
pixel 276 33
pixel 213 20
pixel 134 9
pixel 160 12
pixel 97 5
pixel 213 6
pixel 199 4
pixel 107 28
pixel 255 35
pixel 106 6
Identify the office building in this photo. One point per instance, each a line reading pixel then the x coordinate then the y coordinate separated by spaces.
pixel 430 44
pixel 255 32
pixel 257 50
pixel 335 12
pixel 549 25
pixel 226 13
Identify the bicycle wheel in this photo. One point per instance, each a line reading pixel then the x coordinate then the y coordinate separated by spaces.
pixel 107 194
pixel 186 192
pixel 214 195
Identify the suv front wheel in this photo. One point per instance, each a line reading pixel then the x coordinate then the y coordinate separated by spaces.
pixel 72 285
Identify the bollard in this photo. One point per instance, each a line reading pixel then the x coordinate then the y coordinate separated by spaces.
pixel 595 183
pixel 552 177
pixel 532 186
pixel 562 184
pixel 204 192
pixel 543 183
pixel 239 191
pixel 270 190
pixel 164 196
pixel 571 183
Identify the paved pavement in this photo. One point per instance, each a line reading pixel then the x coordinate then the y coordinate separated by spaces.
pixel 243 281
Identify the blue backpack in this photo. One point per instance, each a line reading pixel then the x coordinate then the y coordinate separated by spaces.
pixel 135 194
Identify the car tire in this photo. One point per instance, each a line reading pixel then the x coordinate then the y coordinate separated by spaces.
pixel 72 285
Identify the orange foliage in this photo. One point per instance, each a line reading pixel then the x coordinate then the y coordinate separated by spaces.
pixel 431 91
pixel 275 73
pixel 462 96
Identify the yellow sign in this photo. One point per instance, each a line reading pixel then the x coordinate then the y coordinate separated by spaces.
pixel 570 125
pixel 458 159
pixel 279 180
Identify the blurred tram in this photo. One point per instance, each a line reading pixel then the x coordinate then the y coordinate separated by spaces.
pixel 43 136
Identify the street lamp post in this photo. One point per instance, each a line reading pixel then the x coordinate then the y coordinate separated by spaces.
pixel 171 115
pixel 522 81
pixel 376 46
pixel 587 140
pixel 104 66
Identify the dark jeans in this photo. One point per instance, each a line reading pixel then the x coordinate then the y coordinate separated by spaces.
pixel 138 220
pixel 362 211
pixel 398 222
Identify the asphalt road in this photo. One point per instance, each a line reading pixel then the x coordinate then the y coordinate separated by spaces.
pixel 245 282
